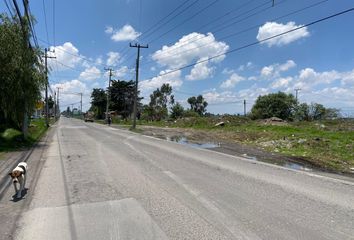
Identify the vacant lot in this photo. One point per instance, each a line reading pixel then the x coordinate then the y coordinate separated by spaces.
pixel 326 144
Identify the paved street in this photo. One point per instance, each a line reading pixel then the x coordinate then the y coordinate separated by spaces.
pixel 98 182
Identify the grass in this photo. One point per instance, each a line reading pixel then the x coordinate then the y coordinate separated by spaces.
pixel 12 139
pixel 327 144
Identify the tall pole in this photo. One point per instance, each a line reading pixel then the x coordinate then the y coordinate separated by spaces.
pixel 81 105
pixel 136 81
pixel 108 91
pixel 46 86
pixel 55 106
pixel 58 109
pixel 296 91
pixel 244 107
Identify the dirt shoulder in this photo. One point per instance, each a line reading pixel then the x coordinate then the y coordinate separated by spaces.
pixel 227 143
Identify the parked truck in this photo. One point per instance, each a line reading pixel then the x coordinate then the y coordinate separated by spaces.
pixel 89 116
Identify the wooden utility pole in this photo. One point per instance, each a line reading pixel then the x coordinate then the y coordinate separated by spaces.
pixel 136 81
pixel 108 91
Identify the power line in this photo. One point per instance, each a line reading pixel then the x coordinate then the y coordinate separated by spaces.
pixel 223 26
pixel 186 20
pixel 179 13
pixel 256 42
pixel 239 32
pixel 45 20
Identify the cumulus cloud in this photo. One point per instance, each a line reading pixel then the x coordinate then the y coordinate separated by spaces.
pixel 126 33
pixel 270 29
pixel 281 82
pixel 213 96
pixel 200 71
pixel 274 70
pixel 187 50
pixel 232 81
pixel 121 72
pixel 174 79
pixel 66 54
pixel 113 58
pixel 89 74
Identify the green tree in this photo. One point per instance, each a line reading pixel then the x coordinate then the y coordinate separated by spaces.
pixel 159 100
pixel 279 105
pixel 122 97
pixel 198 104
pixel 177 111
pixel 21 74
pixel 302 112
pixel 98 102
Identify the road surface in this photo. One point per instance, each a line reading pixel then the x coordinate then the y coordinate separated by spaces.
pixel 99 182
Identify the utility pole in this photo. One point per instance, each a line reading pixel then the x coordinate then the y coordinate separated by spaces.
pixel 58 109
pixel 46 85
pixel 81 105
pixel 136 81
pixel 296 90
pixel 55 106
pixel 244 107
pixel 108 91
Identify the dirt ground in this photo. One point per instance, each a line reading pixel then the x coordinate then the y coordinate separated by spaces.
pixel 225 144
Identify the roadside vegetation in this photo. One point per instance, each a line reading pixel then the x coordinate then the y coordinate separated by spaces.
pixel 12 139
pixel 277 123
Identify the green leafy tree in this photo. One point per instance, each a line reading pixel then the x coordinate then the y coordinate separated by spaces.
pixel 279 105
pixel 177 111
pixel 302 112
pixel 198 104
pixel 122 97
pixel 159 100
pixel 21 74
pixel 98 102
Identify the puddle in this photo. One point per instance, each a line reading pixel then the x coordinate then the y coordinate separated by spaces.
pixel 211 145
pixel 185 141
pixel 287 164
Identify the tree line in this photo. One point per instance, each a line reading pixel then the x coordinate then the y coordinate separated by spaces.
pixel 162 103
pixel 21 73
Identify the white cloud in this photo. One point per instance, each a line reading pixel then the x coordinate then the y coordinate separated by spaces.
pixel 90 74
pixel 213 97
pixel 126 33
pixel 121 72
pixel 281 82
pixel 113 58
pixel 200 71
pixel 66 54
pixel 232 81
pixel 109 30
pixel 190 48
pixel 274 70
pixel 71 86
pixel 174 79
pixel 270 29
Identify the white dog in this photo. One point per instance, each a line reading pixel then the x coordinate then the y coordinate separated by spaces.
pixel 18 175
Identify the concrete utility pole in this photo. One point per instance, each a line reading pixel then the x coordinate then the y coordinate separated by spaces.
pixel 136 81
pixel 244 107
pixel 81 105
pixel 296 90
pixel 108 91
pixel 58 109
pixel 46 85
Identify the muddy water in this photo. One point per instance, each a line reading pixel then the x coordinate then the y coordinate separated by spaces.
pixel 216 146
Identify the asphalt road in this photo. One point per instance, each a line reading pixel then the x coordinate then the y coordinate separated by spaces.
pixel 98 182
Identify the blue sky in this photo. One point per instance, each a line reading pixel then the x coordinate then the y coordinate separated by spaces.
pixel 90 35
